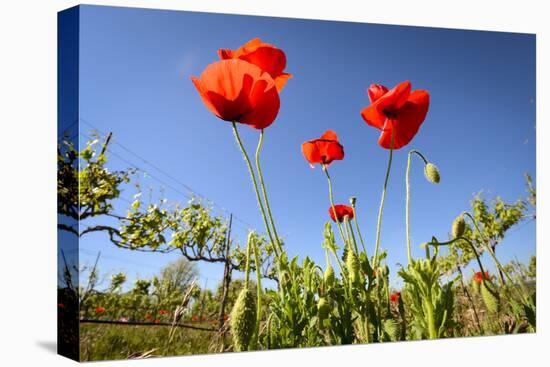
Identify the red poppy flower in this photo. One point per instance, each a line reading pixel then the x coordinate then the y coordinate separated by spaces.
pixel 341 212
pixel 99 310
pixel 163 312
pixel 236 90
pixel 194 318
pixel 148 316
pixel 157 321
pixel 61 305
pixel 267 57
pixel 323 150
pixel 398 112
pixel 478 276
pixel 394 297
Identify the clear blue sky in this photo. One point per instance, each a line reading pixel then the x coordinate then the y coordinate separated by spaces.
pixel 480 129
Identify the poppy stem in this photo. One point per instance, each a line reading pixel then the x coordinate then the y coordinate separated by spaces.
pixel 351 234
pixel 497 263
pixel 381 209
pixel 489 249
pixel 407 200
pixel 264 191
pixel 255 184
pixel 358 230
pixel 249 245
pixel 257 262
pixel 325 169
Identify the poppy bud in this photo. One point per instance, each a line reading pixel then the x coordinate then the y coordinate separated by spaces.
pixel 323 309
pixel 432 173
pixel 490 297
pixel 329 276
pixel 459 226
pixel 243 320
pixel 352 201
pixel 353 266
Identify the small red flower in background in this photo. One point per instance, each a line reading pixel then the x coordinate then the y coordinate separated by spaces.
pixel 267 57
pixel 236 90
pixel 99 310
pixel 398 112
pixel 194 318
pixel 225 317
pixel 203 318
pixel 394 297
pixel 323 150
pixel 478 276
pixel 61 305
pixel 341 212
pixel 163 312
pixel 157 321
pixel 148 316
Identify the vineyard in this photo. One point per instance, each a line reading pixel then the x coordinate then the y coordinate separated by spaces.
pixel 266 299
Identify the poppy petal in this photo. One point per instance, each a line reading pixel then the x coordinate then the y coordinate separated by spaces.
pixel 236 90
pixel 330 151
pixel 373 117
pixel 264 55
pixel 281 80
pixel 330 135
pixel 311 153
pixel 376 91
pixel 405 126
pixel 265 105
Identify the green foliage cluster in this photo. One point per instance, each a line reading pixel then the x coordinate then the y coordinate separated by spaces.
pixel 350 301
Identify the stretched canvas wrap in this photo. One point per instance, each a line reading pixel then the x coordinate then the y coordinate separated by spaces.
pixel 233 183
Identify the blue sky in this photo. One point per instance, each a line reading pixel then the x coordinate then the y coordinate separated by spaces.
pixel 480 129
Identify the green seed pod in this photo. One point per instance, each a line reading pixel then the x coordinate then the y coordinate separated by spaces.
pixel 459 226
pixel 243 320
pixel 490 297
pixel 432 173
pixel 323 309
pixel 353 266
pixel 329 276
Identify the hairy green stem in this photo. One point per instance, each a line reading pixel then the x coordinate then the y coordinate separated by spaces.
pixel 247 266
pixel 259 290
pixel 381 209
pixel 497 262
pixel 351 234
pixel 437 244
pixel 264 191
pixel 407 200
pixel 325 169
pixel 359 230
pixel 254 183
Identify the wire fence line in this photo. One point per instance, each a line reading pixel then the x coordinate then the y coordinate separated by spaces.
pixel 163 172
pixel 137 323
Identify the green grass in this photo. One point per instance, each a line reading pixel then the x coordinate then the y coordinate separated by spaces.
pixel 110 342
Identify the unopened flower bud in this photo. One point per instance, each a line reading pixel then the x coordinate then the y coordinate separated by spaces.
pixel 352 201
pixel 490 297
pixel 243 320
pixel 329 276
pixel 459 226
pixel 353 266
pixel 432 173
pixel 323 309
